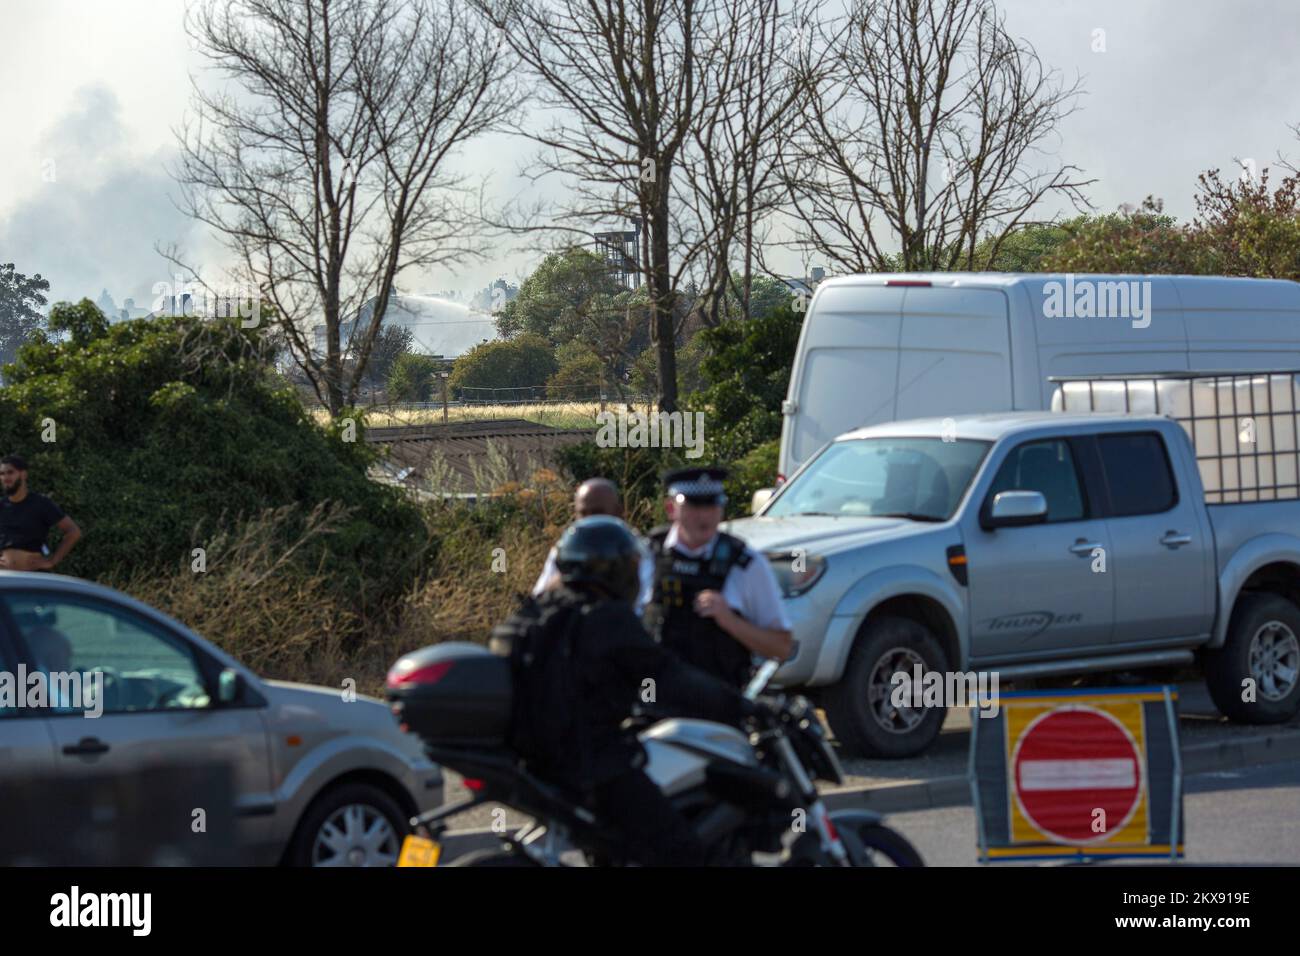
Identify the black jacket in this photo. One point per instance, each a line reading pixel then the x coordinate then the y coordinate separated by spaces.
pixel 615 658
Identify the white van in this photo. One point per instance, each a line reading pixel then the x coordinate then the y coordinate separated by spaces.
pixel 887 347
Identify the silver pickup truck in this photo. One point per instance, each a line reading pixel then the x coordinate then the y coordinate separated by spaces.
pixel 1030 545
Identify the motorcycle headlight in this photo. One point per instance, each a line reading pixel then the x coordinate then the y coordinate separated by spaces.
pixel 796 571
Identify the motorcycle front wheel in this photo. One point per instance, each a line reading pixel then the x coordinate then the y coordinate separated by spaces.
pixel 868 842
pixel 876 845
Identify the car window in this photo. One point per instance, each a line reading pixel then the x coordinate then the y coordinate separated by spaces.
pixel 136 665
pixel 1048 468
pixel 1137 473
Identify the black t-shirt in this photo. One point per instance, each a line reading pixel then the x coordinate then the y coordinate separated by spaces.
pixel 26 525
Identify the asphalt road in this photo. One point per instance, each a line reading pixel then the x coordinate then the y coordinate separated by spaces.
pixel 1248 815
pixel 1199 723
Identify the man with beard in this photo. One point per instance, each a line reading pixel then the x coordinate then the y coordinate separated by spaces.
pixel 25 522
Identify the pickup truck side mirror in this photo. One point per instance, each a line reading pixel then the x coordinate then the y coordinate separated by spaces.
pixel 1013 509
pixel 759 499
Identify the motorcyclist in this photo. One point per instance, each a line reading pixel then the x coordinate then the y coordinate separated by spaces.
pixel 616 670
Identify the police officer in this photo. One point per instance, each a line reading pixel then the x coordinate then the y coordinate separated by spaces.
pixel 716 602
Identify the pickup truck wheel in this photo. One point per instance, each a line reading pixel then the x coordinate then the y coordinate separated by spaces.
pixel 860 707
pixel 1263 647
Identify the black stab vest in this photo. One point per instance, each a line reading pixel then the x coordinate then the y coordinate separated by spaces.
pixel 671 616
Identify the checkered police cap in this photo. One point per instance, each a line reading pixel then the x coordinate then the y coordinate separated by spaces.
pixel 697 485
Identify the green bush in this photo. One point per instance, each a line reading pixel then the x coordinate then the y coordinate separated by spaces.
pixel 412 378
pixel 524 361
pixel 579 375
pixel 159 435
pixel 746 376
pixel 756 470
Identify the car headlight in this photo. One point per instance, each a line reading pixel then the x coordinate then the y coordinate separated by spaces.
pixel 796 571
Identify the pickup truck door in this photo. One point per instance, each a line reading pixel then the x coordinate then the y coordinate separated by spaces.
pixel 1161 553
pixel 1037 592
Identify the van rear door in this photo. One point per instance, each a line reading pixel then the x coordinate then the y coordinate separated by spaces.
pixel 954 354
pixel 880 353
pixel 846 369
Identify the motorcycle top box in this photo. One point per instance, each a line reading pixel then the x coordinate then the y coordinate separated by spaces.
pixel 454 694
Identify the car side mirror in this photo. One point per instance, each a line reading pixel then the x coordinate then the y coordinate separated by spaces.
pixel 230 686
pixel 760 498
pixel 1014 509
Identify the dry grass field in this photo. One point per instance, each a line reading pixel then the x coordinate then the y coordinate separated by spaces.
pixel 554 414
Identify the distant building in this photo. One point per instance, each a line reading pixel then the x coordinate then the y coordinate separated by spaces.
pixel 106 304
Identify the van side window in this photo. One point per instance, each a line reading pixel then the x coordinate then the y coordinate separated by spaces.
pixel 1048 468
pixel 1137 471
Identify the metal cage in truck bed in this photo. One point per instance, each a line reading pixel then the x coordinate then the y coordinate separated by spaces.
pixel 1244 426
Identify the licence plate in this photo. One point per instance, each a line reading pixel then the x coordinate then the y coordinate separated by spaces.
pixel 419 851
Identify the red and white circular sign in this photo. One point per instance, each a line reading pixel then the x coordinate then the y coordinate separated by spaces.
pixel 1070 763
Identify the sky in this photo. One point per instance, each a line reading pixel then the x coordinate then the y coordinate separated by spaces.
pixel 92 91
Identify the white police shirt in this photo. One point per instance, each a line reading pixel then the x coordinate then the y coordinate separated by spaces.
pixel 751 590
pixel 647 570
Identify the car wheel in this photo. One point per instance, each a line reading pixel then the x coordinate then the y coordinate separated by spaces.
pixel 355 824
pixel 1262 654
pixel 860 708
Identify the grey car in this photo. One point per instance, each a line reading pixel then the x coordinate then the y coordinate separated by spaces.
pixel 314 776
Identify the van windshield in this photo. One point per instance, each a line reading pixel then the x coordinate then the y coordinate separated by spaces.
pixel 923 479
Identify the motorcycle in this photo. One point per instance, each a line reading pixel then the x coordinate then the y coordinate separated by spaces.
pixel 751 796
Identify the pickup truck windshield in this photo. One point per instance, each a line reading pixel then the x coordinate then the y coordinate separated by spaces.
pixel 919 478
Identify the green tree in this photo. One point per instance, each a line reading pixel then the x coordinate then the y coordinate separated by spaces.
pixel 168 430
pixel 525 361
pixel 412 378
pixel 746 374
pixel 1026 249
pixel 392 342
pixel 1141 240
pixel 1247 229
pixel 572 297
pixel 579 376
pixel 553 300
pixel 21 299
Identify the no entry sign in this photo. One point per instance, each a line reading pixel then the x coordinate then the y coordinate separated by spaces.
pixel 1078 774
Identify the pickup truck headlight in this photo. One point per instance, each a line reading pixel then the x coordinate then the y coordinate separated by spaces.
pixel 795 582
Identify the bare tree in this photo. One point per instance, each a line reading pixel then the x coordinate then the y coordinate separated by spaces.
pixel 932 132
pixel 327 170
pixel 731 184
pixel 624 81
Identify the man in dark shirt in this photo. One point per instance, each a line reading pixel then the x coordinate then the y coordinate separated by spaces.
pixel 25 522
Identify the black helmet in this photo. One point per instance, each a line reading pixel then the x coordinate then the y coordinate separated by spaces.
pixel 601 552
